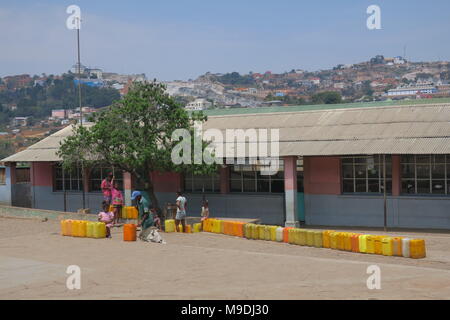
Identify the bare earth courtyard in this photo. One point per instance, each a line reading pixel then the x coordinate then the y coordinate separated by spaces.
pixel 34 259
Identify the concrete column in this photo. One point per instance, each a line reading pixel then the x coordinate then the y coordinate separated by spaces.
pixel 127 186
pixel 224 180
pixel 290 191
pixel 396 176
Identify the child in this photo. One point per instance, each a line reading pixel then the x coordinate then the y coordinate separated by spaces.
pixel 106 217
pixel 156 219
pixel 117 201
pixel 205 211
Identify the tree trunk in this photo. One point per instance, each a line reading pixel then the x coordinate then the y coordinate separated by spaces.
pixel 153 198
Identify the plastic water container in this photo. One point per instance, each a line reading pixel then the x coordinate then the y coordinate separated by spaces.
pixel 370 244
pixel 334 240
pixel 286 234
pixel 406 251
pixel 310 238
pixel 124 213
pixel 255 232
pixel 248 231
pixel 99 230
pixel 417 249
pixel 90 229
pixel 348 241
pixel 261 232
pixel 267 233
pixel 326 238
pixel 378 244
pixel 296 236
pixel 355 242
pixel 363 243
pixel 169 225
pixel 63 227
pixel 292 236
pixel 75 228
pixel 397 246
pixel 341 241
pixel 220 226
pixel 129 232
pixel 279 234
pixel 197 227
pixel 387 246
pixel 318 239
pixel 302 237
pixel 273 233
pixel 82 229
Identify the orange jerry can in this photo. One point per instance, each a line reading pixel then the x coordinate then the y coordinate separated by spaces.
pixel 286 234
pixel 188 228
pixel 417 249
pixel 355 243
pixel 129 232
pixel 240 229
pixel 397 247
pixel 348 241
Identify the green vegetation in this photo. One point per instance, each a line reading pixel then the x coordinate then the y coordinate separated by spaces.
pixel 135 135
pixel 327 97
pixel 236 79
pixel 38 101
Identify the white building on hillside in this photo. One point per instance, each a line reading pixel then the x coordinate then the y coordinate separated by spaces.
pixel 198 104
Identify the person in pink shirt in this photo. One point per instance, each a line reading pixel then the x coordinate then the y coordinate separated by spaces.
pixel 106 217
pixel 107 187
pixel 117 201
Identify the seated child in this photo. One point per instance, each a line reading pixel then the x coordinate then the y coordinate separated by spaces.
pixel 156 219
pixel 106 217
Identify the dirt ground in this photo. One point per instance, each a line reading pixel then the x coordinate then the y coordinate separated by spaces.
pixel 34 259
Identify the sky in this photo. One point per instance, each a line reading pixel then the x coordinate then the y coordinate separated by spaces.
pixel 180 39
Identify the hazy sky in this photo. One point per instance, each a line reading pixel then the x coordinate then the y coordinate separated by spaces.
pixel 182 39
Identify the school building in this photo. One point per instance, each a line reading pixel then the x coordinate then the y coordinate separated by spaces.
pixel 331 170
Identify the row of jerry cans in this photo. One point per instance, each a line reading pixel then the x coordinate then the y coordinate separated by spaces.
pixel 375 244
pixel 213 225
pixel 262 232
pixel 83 229
pixel 169 226
pixel 233 228
pixel 127 212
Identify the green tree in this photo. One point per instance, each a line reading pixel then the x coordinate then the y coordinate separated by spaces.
pixel 135 135
pixel 327 97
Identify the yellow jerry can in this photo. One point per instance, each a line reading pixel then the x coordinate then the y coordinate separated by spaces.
pixel 370 244
pixel 267 233
pixel 169 225
pixel 341 240
pixel 255 232
pixel 292 235
pixel 273 233
pixel 363 243
pixel 318 239
pixel 63 227
pixel 302 237
pixel 75 228
pixel 326 238
pixel 82 229
pixel 90 229
pixel 334 240
pixel 197 227
pixel 417 249
pixel 310 238
pixel 387 244
pixel 261 232
pixel 379 244
pixel 124 213
pixel 99 230
pixel 297 236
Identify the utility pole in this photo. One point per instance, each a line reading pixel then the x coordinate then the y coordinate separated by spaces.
pixel 78 19
pixel 384 193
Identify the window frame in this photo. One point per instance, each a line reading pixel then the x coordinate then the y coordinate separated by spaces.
pixel 354 178
pixel 412 160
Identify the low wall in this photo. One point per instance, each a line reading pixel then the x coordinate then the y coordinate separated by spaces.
pixel 19 212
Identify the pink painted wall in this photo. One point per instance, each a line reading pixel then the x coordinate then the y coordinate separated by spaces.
pixel 322 175
pixel 167 181
pixel 41 174
pixel 290 173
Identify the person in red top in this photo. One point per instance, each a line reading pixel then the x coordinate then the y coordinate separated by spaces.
pixel 107 188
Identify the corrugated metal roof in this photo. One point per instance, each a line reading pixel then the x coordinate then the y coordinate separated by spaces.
pixel 416 129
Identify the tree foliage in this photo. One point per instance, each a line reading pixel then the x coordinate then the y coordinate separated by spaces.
pixel 135 135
